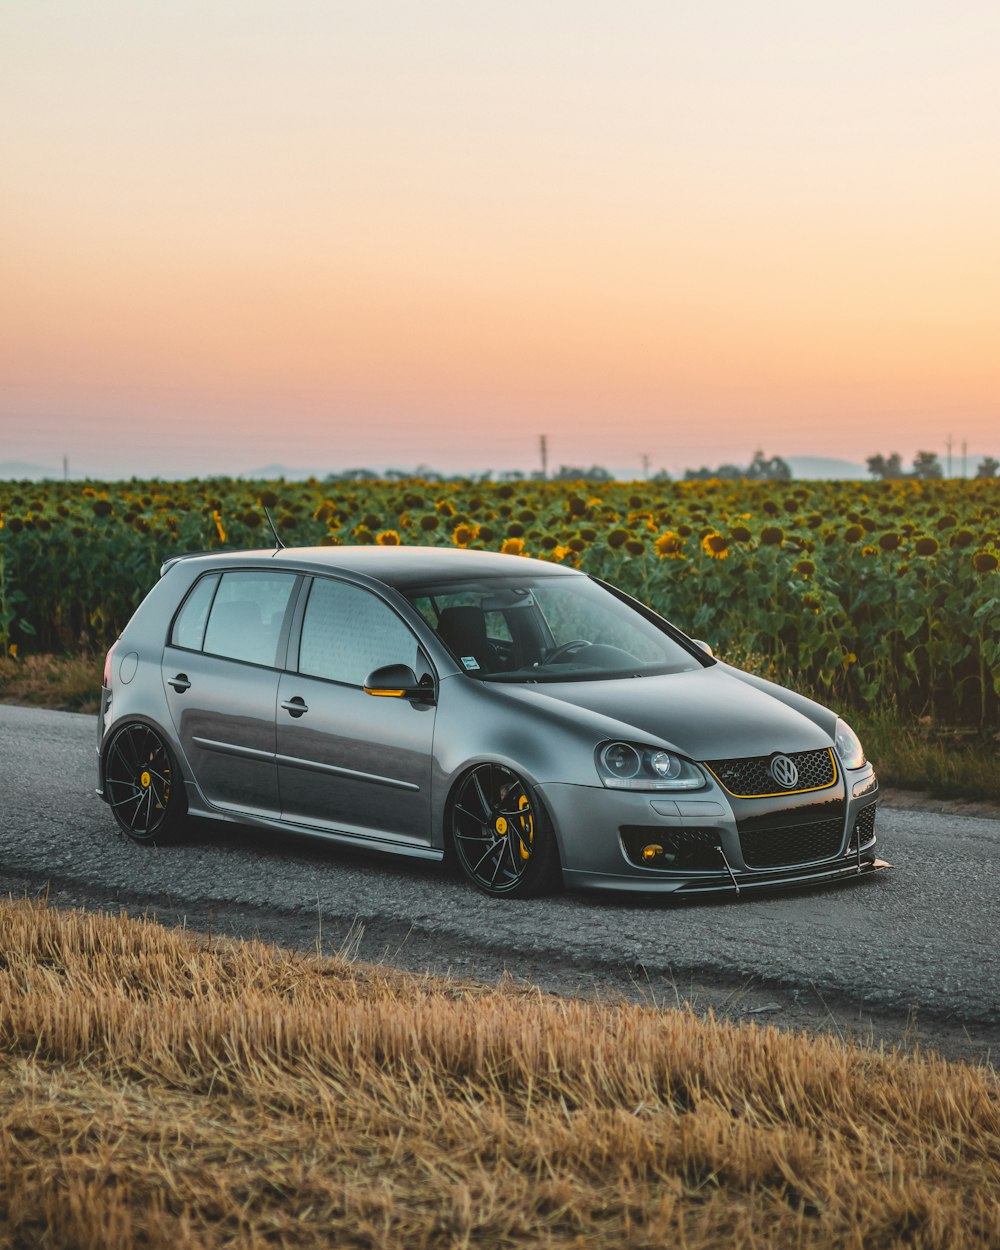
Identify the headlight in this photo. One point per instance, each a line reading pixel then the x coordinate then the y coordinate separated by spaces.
pixel 624 766
pixel 849 748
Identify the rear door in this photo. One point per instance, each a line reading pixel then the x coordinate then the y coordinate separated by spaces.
pixel 348 761
pixel 220 673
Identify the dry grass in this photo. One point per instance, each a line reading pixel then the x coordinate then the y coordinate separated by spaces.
pixel 162 1089
pixel 68 683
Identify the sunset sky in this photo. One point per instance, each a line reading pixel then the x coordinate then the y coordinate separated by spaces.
pixel 325 235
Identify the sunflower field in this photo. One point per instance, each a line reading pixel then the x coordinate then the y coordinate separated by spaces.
pixel 865 595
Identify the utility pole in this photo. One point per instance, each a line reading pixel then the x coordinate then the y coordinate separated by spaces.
pixel 543 447
pixel 65 468
pixel 645 458
pixel 965 448
pixel 948 442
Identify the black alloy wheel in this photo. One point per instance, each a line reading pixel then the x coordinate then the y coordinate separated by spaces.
pixel 141 784
pixel 501 835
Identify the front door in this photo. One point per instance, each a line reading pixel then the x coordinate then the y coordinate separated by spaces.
pixel 348 761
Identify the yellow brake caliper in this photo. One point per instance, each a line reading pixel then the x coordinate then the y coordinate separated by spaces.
pixel 527 828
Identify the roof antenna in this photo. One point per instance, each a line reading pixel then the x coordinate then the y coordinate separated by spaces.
pixel 278 544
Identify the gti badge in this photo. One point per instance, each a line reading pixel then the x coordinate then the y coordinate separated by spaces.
pixel 783 771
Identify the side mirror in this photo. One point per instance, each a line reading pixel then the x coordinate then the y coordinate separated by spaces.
pixel 398 681
pixel 704 646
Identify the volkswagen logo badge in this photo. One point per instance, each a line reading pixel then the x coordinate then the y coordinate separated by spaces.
pixel 783 771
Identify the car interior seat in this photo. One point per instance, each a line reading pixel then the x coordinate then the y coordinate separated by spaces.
pixel 463 631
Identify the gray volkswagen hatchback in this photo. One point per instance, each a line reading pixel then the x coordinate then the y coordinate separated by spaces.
pixel 534 722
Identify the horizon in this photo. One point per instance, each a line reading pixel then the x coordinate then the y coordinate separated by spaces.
pixel 803 468
pixel 402 236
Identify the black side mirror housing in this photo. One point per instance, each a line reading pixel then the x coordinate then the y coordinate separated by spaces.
pixel 398 681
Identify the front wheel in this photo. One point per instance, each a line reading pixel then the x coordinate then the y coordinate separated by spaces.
pixel 501 835
pixel 142 786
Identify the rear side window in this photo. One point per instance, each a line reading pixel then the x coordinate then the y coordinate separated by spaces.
pixel 348 632
pixel 190 621
pixel 247 614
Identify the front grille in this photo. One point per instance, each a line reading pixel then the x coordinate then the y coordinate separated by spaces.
pixel 695 850
pixel 751 777
pixel 864 827
pixel 794 844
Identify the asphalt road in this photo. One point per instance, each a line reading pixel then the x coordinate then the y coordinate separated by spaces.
pixel 917 943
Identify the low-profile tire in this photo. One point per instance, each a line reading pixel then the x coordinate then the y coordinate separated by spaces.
pixel 142 785
pixel 501 836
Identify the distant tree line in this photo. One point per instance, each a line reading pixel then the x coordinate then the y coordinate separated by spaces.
pixel 760 469
pixel 926 467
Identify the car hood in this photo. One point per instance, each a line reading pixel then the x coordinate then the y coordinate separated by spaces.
pixel 707 714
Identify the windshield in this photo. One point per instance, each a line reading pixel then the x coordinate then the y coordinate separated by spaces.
pixel 539 628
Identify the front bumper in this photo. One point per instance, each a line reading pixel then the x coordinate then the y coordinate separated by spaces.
pixel 596 832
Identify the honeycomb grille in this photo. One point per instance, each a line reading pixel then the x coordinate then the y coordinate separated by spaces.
pixel 864 827
pixel 751 778
pixel 795 844
pixel 695 850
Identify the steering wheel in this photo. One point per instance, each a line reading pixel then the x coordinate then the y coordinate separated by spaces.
pixel 565 648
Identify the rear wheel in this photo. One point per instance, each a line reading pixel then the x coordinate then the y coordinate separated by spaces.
pixel 501 835
pixel 142 785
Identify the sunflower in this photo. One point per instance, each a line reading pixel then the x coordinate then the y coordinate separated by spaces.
pixel 772 535
pixel 739 534
pixel 387 538
pixel 217 518
pixel 854 534
pixel 429 522
pixel 634 547
pixel 805 567
pixel 890 541
pixel 669 546
pixel 462 535
pixel 512 547
pixel 618 538
pixel 715 546
pixel 927 546
pixel 985 562
pixel 445 507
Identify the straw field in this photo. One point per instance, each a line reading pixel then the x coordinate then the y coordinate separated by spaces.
pixel 163 1089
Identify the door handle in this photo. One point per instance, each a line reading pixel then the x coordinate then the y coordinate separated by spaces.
pixel 180 683
pixel 295 707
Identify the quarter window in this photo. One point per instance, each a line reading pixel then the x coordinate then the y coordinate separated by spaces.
pixel 348 632
pixel 190 621
pixel 247 615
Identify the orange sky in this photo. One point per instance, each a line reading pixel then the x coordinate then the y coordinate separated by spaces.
pixel 326 235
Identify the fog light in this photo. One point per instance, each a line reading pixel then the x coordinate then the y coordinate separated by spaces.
pixel 651 852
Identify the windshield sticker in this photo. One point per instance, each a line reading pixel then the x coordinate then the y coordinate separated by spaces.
pixel 470 662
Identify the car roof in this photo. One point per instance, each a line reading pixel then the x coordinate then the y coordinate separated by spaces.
pixel 398 566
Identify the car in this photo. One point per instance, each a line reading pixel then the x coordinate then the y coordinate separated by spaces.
pixel 531 722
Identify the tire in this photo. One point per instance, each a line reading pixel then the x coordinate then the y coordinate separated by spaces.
pixel 142 785
pixel 501 836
